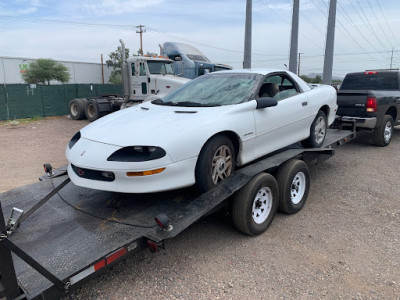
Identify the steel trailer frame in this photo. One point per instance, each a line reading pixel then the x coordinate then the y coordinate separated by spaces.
pixel 70 234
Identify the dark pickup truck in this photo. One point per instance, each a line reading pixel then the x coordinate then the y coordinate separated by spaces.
pixel 372 100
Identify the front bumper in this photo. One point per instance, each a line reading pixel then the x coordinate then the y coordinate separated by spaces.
pixel 176 175
pixel 361 122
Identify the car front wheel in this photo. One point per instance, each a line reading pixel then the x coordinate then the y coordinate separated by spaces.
pixel 216 162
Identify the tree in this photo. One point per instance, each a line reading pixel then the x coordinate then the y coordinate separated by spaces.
pixel 44 70
pixel 115 62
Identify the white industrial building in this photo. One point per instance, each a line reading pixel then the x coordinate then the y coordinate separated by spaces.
pixel 11 69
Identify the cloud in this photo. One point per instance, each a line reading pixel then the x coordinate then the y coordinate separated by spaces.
pixel 114 7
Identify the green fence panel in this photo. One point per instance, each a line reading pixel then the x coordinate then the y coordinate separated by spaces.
pixel 3 103
pixel 108 89
pixel 54 100
pixel 23 101
pixel 86 91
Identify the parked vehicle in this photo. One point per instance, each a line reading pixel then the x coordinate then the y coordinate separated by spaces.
pixel 201 132
pixel 372 99
pixel 144 77
pixel 189 61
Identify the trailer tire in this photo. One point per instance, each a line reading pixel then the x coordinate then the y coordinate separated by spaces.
pixel 77 109
pixel 317 131
pixel 294 184
pixel 216 162
pixel 92 110
pixel 254 205
pixel 384 132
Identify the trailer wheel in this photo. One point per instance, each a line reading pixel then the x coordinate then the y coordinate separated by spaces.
pixel 254 206
pixel 384 132
pixel 77 109
pixel 317 131
pixel 92 111
pixel 294 183
pixel 215 163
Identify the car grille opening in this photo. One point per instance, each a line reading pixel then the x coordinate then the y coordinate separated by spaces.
pixel 93 174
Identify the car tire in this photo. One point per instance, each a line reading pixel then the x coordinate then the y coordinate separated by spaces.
pixel 384 132
pixel 216 162
pixel 317 131
pixel 254 205
pixel 294 184
pixel 92 111
pixel 77 109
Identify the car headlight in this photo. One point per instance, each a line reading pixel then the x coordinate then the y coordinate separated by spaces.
pixel 74 139
pixel 137 153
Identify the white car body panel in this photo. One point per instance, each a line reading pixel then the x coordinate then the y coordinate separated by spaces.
pixel 183 131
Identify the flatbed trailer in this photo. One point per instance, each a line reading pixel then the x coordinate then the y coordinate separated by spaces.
pixel 71 234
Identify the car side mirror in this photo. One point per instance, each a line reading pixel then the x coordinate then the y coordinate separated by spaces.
pixel 178 58
pixel 266 102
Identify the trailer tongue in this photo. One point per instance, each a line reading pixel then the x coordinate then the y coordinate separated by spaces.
pixel 69 234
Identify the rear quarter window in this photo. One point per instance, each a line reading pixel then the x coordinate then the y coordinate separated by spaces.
pixel 380 81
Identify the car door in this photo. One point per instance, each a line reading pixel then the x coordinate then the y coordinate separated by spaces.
pixel 287 122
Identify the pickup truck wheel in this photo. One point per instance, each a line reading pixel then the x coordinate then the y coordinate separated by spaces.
pixel 92 111
pixel 77 109
pixel 216 162
pixel 317 131
pixel 254 205
pixel 294 183
pixel 384 132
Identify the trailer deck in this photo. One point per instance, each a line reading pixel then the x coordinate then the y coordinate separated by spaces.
pixel 79 232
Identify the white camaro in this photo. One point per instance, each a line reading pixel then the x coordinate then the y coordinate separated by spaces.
pixel 201 132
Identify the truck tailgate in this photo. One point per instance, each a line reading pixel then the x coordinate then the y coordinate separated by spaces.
pixel 352 103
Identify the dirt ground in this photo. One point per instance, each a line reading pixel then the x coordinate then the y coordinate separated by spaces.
pixel 344 244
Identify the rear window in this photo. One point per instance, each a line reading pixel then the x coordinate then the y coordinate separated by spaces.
pixel 380 81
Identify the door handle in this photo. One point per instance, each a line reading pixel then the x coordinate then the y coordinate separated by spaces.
pixel 304 103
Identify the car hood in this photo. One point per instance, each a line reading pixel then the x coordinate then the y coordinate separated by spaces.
pixel 148 124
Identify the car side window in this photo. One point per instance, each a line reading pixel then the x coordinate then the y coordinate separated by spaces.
pixel 281 85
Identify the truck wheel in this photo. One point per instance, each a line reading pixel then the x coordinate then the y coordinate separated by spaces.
pixel 215 163
pixel 77 109
pixel 294 183
pixel 384 132
pixel 92 110
pixel 254 205
pixel 317 131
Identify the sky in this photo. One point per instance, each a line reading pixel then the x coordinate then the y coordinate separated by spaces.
pixel 367 34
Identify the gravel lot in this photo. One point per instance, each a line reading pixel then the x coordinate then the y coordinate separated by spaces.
pixel 344 244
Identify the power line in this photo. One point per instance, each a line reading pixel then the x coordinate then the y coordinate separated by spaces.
pixel 387 23
pixel 360 12
pixel 346 15
pixel 379 23
pixel 34 20
pixel 286 21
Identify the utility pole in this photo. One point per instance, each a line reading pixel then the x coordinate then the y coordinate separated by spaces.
pixel 247 36
pixel 294 40
pixel 141 31
pixel 391 60
pixel 329 46
pixel 298 64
